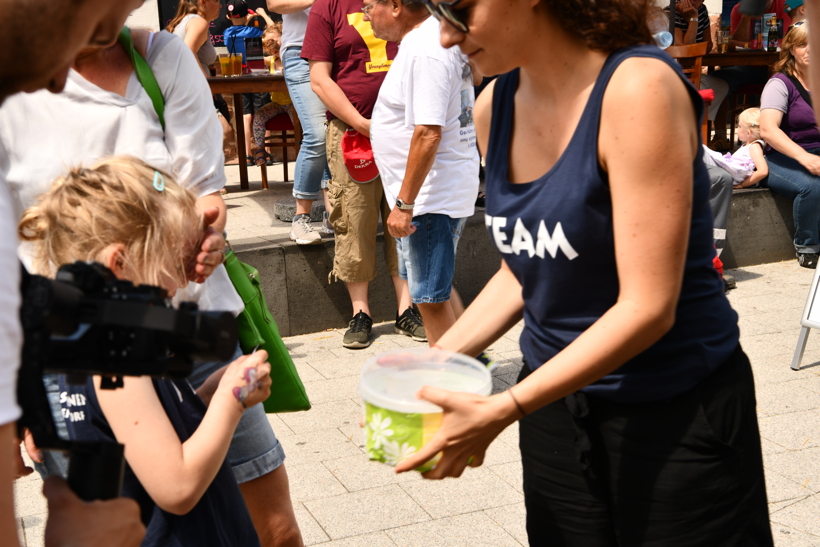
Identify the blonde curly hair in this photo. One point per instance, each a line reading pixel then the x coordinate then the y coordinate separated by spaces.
pixel 113 202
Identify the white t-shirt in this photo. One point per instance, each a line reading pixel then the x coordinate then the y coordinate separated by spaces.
pixel 10 332
pixel 294 26
pixel 42 134
pixel 428 85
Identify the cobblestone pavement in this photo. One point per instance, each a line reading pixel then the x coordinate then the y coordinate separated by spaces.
pixel 342 499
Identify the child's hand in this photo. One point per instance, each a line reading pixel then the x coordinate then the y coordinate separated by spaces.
pixel 247 380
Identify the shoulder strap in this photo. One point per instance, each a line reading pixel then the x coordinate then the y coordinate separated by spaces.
pixel 801 89
pixel 144 75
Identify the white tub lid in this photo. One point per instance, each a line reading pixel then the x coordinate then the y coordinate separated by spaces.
pixel 391 380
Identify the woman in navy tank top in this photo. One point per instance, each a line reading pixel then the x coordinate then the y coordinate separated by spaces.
pixel 636 403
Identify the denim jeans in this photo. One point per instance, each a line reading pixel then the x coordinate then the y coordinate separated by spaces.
pixel 427 257
pixel 311 164
pixel 790 179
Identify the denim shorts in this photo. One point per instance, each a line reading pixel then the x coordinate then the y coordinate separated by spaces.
pixel 255 451
pixel 427 257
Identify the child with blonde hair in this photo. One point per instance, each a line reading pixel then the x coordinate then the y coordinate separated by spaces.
pixel 280 100
pixel 145 228
pixel 748 164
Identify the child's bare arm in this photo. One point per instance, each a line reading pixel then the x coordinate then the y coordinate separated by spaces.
pixel 177 474
pixel 761 166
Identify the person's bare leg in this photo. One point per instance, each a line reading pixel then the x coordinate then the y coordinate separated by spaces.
pixel 437 318
pixel 268 501
pixel 303 206
pixel 358 297
pixel 247 120
pixel 456 303
pixel 227 131
pixel 327 200
pixel 402 293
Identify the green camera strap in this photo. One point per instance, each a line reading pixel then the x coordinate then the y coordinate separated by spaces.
pixel 144 74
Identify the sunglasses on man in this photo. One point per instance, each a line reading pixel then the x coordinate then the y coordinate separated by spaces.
pixel 444 11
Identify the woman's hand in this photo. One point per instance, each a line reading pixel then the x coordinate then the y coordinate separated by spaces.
pixel 246 380
pixel 686 9
pixel 810 162
pixel 470 424
pixel 212 251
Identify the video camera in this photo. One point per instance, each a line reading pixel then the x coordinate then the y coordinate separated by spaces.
pixel 87 322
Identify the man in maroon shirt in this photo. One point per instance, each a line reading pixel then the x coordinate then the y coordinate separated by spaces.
pixel 347 67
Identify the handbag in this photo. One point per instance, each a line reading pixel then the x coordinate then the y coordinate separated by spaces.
pixel 256 326
pixel 257 329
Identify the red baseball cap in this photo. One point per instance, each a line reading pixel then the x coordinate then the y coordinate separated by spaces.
pixel 358 155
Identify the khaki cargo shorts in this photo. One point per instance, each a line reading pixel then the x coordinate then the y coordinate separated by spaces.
pixel 355 217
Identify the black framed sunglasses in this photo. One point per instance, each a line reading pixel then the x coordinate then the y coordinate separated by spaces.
pixel 445 11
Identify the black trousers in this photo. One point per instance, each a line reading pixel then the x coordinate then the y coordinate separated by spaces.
pixel 678 473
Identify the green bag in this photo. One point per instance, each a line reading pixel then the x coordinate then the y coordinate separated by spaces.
pixel 144 74
pixel 257 329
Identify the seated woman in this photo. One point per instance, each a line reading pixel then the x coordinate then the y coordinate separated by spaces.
pixel 788 125
pixel 191 23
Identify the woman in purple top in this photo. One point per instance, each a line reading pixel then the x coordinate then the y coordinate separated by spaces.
pixel 788 125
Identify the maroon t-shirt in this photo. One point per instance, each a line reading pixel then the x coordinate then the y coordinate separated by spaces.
pixel 337 33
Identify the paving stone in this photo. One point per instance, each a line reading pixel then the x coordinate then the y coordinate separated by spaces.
pixel 784 398
pixel 359 473
pixel 34 530
pixel 29 499
pixel 780 488
pixel 510 435
pixel 512 473
pixel 307 373
pixel 378 539
pixel 333 366
pixel 777 368
pixel 500 452
pixel 477 489
pixel 323 416
pixel 513 518
pixel 801 516
pixel 312 533
pixel 366 511
pixel 336 389
pixel 792 431
pixel 355 434
pixel 21 536
pixel 470 530
pixel 785 536
pixel 312 481
pixel 765 345
pixel 280 428
pixel 318 446
pixel 774 507
pixel 801 466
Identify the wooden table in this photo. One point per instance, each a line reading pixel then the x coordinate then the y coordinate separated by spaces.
pixel 236 86
pixel 741 58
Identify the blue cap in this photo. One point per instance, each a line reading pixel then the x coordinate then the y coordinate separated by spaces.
pixel 792 4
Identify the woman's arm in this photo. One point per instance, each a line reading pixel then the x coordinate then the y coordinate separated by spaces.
pixel 770 132
pixel 761 166
pixel 286 7
pixel 334 98
pixel 264 15
pixel 178 478
pixel 649 252
pixel 196 33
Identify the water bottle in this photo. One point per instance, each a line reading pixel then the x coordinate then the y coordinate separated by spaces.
pixel 663 39
pixel 658 24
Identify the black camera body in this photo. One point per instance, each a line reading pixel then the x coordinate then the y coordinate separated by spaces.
pixel 87 322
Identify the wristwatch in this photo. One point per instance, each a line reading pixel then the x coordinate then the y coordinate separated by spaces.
pixel 404 206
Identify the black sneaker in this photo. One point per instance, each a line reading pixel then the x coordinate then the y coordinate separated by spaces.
pixel 729 282
pixel 357 335
pixel 409 324
pixel 807 260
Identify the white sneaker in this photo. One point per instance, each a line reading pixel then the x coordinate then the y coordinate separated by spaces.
pixel 302 232
pixel 327 227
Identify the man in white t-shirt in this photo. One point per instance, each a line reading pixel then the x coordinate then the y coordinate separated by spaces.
pixel 31 61
pixel 425 147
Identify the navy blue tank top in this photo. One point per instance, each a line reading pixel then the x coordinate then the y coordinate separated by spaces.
pixel 556 235
pixel 219 519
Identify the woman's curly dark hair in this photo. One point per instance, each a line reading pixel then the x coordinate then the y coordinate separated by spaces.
pixel 605 25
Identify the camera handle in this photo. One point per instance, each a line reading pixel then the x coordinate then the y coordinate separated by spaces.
pixel 95 470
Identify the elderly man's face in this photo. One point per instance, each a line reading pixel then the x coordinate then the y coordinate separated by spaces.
pixel 33 60
pixel 380 15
